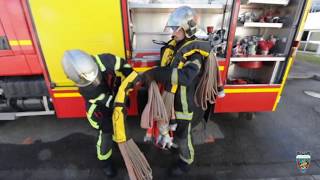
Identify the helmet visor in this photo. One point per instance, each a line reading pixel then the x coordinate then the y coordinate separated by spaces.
pixel 184 17
pixel 89 77
pixel 179 17
pixel 172 29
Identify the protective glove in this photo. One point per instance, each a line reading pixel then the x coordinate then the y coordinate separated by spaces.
pixel 173 125
pixel 164 138
pixel 147 138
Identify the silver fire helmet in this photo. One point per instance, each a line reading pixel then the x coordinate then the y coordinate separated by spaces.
pixel 81 68
pixel 184 17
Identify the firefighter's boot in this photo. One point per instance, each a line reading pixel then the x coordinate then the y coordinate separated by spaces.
pixel 179 169
pixel 109 169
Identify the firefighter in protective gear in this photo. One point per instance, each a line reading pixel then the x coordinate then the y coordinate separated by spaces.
pixel 182 61
pixel 104 81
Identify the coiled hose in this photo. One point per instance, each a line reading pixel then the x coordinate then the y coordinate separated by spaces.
pixel 155 108
pixel 137 165
pixel 168 100
pixel 207 88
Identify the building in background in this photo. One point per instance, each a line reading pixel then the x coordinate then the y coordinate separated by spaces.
pixel 310 41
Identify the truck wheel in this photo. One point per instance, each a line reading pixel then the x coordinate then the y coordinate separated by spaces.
pixel 246 116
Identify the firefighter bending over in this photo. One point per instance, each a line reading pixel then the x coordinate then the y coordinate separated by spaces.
pixel 104 81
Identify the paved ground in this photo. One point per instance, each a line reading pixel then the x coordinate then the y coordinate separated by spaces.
pixel 264 148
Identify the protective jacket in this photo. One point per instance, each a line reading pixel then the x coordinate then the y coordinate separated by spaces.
pixel 114 70
pixel 101 101
pixel 181 67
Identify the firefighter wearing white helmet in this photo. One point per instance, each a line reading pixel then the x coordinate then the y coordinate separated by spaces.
pixel 183 17
pixel 81 68
pixel 99 79
pixel 182 63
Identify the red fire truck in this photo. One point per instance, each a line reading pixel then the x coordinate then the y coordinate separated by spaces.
pixel 260 42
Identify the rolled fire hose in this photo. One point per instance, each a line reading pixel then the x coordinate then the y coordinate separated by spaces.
pixel 168 100
pixel 207 88
pixel 137 166
pixel 155 108
pixel 136 163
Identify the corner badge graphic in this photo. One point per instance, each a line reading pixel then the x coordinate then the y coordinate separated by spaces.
pixel 303 160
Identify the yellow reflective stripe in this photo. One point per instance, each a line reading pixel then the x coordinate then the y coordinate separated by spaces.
pixel 184 116
pixel 183 96
pixel 100 155
pixel 181 64
pixel 190 147
pixel 256 90
pixel 117 64
pixel 190 144
pixel 99 98
pixel 108 101
pixel 119 132
pixel 120 97
pixel 141 69
pixel 25 42
pixel 93 123
pixel 189 42
pixel 174 76
pixel 20 42
pixel 14 43
pixel 119 74
pixel 127 66
pixel 195 62
pixel 102 67
pixel 106 156
pixel 174 88
pixel 174 80
pixel 129 90
pixel 188 62
pixel 61 84
pixel 63 95
pixel 202 52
